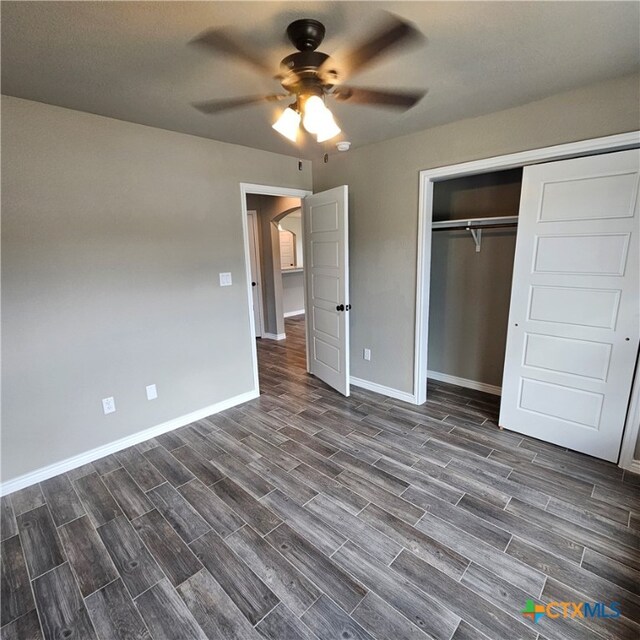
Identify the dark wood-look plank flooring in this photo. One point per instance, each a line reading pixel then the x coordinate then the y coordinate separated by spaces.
pixel 303 515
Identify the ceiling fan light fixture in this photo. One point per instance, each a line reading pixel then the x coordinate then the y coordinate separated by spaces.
pixel 315 114
pixel 288 124
pixel 309 75
pixel 329 128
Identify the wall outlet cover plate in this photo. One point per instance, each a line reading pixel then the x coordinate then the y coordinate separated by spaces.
pixel 108 405
pixel 152 392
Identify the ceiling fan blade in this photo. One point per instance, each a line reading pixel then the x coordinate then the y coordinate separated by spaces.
pixel 215 106
pixel 397 99
pixel 222 41
pixel 392 34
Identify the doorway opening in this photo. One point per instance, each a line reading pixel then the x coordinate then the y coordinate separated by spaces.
pixel 275 270
pixel 277 262
pixel 324 229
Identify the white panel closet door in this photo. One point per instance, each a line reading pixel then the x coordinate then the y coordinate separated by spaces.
pixel 326 262
pixel 574 319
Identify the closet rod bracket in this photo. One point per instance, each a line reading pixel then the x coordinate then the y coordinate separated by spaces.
pixel 476 234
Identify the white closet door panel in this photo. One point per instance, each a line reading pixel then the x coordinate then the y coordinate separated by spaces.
pixel 574 317
pixel 565 403
pixel 593 194
pixel 579 306
pixel 595 254
pixel 583 358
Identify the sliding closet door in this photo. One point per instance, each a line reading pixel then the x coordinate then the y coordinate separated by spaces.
pixel 573 322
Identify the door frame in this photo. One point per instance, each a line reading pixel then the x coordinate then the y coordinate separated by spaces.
pixel 253 216
pixel 631 428
pixel 428 177
pixel 247 188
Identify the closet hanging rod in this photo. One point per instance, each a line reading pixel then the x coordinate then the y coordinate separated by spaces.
pixel 495 221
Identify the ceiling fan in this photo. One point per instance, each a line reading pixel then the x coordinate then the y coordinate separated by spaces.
pixel 310 76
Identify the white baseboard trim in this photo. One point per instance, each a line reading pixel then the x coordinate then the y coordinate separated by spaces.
pixel 634 467
pixel 381 389
pixel 274 336
pixel 63 466
pixel 290 314
pixel 463 382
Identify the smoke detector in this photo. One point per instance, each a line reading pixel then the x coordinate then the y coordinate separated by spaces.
pixel 343 146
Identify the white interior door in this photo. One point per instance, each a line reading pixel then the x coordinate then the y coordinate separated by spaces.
pixel 256 282
pixel 573 323
pixel 326 251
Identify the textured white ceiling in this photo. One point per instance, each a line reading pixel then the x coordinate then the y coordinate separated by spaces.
pixel 130 60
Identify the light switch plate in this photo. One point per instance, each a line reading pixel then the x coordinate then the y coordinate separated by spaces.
pixel 225 279
pixel 366 354
pixel 152 392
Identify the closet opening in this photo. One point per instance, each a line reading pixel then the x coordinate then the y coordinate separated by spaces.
pixel 571 210
pixel 472 252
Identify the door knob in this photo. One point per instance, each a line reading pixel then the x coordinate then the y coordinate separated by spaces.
pixel 253 284
pixel 340 307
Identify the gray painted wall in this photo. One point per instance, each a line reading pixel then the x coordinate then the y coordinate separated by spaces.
pixel 292 291
pixel 469 304
pixel 383 181
pixel 113 236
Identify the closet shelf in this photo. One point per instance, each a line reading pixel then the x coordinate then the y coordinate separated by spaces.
pixel 476 225
pixel 495 221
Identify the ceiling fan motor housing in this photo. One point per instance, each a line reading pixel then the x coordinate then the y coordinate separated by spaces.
pixel 306 34
pixel 301 65
pixel 299 71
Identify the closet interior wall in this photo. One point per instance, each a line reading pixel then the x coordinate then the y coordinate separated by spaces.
pixel 470 290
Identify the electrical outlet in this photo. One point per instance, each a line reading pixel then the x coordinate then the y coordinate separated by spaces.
pixel 152 392
pixel 108 405
pixel 225 279
pixel 366 354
